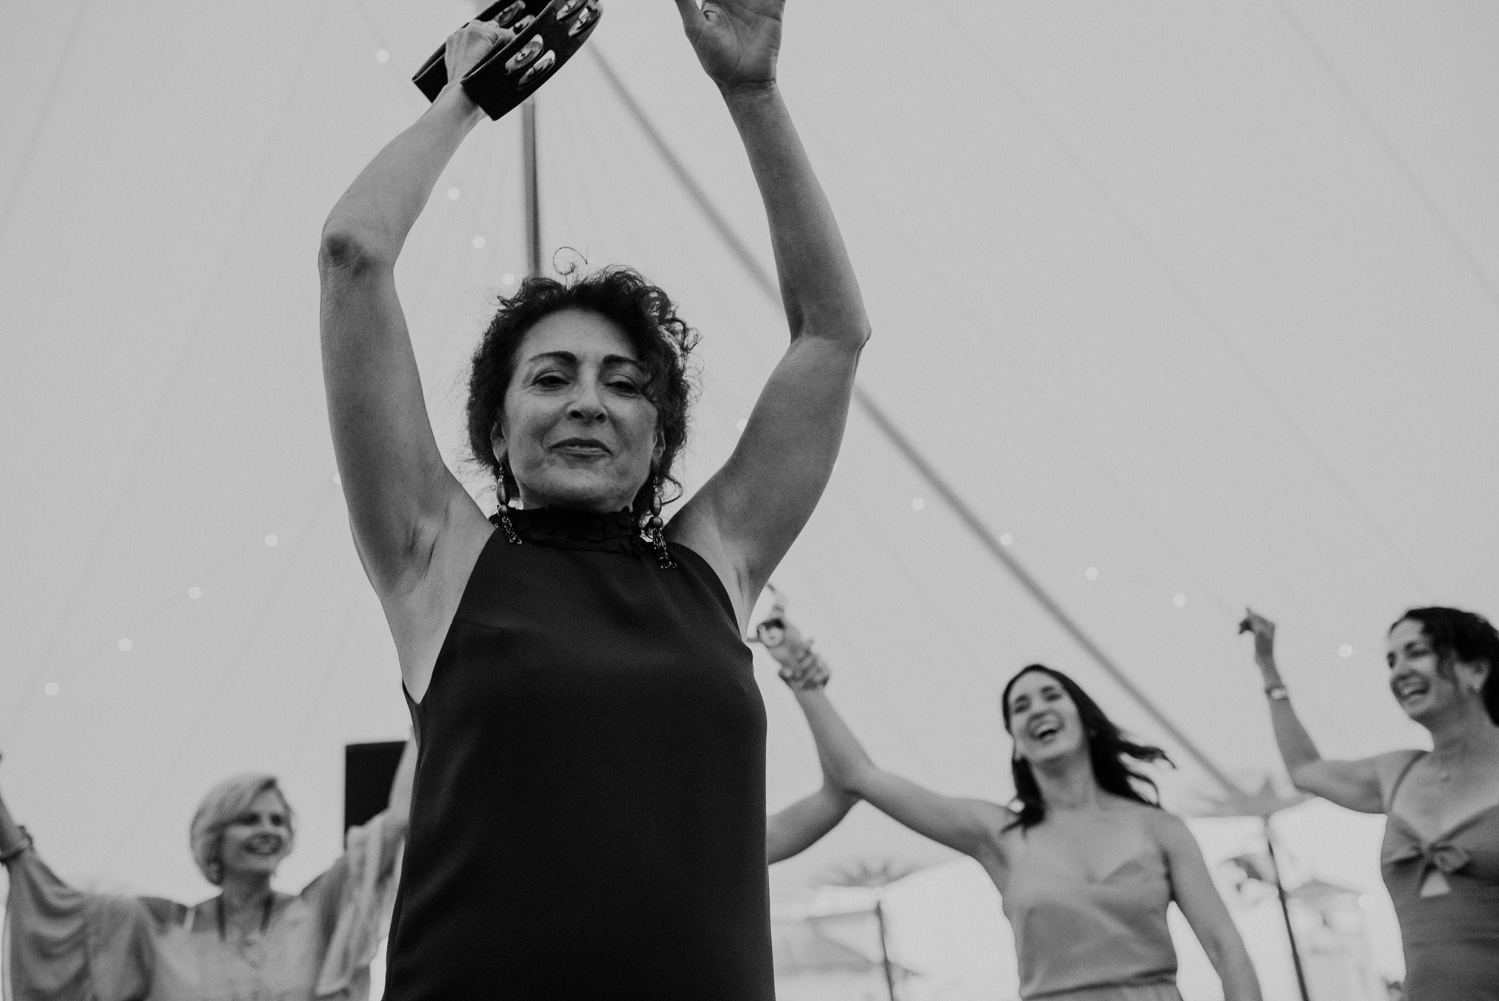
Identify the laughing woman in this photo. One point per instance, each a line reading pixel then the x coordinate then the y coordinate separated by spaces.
pixel 249 941
pixel 1440 858
pixel 589 816
pixel 1085 863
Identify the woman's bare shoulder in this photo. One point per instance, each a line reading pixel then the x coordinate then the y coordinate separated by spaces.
pixel 1155 823
pixel 1164 825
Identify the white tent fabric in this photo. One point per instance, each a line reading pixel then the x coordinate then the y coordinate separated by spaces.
pixel 1195 303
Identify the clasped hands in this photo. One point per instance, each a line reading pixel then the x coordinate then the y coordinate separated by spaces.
pixel 802 669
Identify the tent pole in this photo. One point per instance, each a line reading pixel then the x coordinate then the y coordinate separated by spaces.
pixel 1285 912
pixel 879 917
pixel 533 188
pixel 903 445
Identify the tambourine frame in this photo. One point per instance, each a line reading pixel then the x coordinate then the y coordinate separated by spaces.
pixel 506 77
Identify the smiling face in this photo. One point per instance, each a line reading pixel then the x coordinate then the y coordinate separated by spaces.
pixel 1044 720
pixel 1423 685
pixel 576 427
pixel 255 842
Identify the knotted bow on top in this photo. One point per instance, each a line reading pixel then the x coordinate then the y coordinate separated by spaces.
pixel 1443 855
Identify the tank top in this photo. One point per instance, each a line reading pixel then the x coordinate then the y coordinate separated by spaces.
pixel 1072 932
pixel 1451 939
pixel 588 815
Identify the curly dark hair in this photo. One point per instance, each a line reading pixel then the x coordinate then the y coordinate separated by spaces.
pixel 1108 748
pixel 1458 635
pixel 646 314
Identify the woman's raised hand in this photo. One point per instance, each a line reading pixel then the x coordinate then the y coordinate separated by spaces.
pixel 1264 636
pixel 735 40
pixel 471 43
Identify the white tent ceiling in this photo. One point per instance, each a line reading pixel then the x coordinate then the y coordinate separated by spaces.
pixel 1200 296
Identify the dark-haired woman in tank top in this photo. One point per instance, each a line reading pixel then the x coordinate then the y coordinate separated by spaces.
pixel 1085 867
pixel 1440 858
pixel 589 813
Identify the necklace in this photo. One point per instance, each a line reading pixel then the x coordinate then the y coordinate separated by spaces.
pixel 1446 768
pixel 265 914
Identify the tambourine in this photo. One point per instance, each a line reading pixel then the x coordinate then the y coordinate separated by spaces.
pixel 547 34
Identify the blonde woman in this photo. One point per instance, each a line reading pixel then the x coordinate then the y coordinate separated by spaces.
pixel 249 941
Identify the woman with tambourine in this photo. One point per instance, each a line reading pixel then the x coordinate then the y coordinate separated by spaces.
pixel 589 808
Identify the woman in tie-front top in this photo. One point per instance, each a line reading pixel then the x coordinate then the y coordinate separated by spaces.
pixel 1440 857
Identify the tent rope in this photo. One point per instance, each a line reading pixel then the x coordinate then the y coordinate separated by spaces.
pixel 1208 321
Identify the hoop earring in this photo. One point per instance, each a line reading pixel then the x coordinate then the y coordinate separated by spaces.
pixel 502 491
pixel 654 525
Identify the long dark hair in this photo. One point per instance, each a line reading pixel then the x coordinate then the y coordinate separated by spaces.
pixel 1466 636
pixel 1108 749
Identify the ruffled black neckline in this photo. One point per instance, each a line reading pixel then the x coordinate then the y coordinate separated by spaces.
pixel 566 528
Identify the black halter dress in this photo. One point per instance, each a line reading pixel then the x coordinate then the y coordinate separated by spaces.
pixel 588 818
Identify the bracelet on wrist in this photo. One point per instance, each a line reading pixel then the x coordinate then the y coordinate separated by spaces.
pixel 7 854
pixel 1277 692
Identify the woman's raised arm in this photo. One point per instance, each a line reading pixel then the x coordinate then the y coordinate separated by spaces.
pixel 398 805
pixel 14 841
pixel 966 825
pixel 1355 785
pixel 401 495
pixel 748 515
pixel 800 825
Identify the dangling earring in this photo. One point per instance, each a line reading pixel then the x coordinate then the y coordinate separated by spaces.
pixel 502 491
pixel 654 525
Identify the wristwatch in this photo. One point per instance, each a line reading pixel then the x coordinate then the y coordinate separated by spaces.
pixel 1277 693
